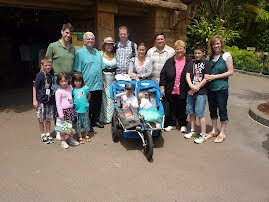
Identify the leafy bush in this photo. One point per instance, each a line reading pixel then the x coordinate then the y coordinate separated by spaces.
pixel 200 31
pixel 246 60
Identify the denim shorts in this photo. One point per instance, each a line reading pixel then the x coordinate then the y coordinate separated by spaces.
pixel 196 105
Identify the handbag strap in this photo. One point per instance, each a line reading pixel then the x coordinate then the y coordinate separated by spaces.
pixel 216 62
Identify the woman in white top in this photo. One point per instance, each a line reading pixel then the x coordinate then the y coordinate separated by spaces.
pixel 140 66
pixel 110 63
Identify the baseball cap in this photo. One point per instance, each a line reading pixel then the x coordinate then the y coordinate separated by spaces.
pixel 128 86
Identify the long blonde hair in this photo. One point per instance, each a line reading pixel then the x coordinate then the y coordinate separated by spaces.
pixel 211 41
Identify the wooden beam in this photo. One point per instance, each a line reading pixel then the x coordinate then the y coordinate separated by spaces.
pixel 160 3
pixel 50 4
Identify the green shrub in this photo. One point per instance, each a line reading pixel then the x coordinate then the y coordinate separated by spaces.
pixel 246 60
pixel 200 31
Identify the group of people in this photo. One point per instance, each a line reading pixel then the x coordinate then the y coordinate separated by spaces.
pixel 74 86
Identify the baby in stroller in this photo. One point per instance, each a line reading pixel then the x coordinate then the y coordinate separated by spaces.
pixel 128 98
pixel 129 112
pixel 149 113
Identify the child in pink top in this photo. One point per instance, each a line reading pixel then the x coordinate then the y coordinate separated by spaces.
pixel 64 104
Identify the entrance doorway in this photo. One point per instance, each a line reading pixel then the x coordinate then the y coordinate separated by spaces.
pixel 24 33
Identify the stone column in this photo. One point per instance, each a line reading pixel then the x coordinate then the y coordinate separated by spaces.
pixel 105 20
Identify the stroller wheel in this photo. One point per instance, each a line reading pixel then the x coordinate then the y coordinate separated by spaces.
pixel 115 130
pixel 148 149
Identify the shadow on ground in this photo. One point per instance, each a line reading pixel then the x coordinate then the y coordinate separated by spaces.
pixel 136 144
pixel 265 144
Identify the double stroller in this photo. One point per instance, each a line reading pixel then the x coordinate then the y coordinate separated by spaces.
pixel 137 128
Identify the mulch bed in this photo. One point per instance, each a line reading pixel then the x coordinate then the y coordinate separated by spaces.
pixel 264 108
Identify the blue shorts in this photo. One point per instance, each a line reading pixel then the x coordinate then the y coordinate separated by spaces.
pixel 196 105
pixel 83 122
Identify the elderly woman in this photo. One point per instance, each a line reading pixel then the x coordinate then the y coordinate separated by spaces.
pixel 222 69
pixel 140 66
pixel 174 87
pixel 110 63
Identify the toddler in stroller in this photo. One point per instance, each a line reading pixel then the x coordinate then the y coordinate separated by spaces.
pixel 149 113
pixel 129 112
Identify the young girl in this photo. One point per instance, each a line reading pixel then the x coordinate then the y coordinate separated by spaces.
pixel 81 95
pixel 148 111
pixel 64 104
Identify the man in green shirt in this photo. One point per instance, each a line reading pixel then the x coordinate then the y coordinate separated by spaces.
pixel 62 52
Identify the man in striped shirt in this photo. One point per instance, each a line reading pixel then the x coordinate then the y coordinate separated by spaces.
pixel 159 54
pixel 125 50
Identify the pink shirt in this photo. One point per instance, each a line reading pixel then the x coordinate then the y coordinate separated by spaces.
pixel 179 68
pixel 64 99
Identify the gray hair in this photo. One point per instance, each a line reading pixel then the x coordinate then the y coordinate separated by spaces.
pixel 88 33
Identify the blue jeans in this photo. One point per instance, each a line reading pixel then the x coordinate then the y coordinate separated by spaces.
pixel 217 101
pixel 196 105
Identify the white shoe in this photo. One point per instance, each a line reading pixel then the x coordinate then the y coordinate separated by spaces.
pixel 190 134
pixel 58 136
pixel 158 126
pixel 64 145
pixel 168 128
pixel 73 142
pixel 200 139
pixel 183 129
pixel 50 138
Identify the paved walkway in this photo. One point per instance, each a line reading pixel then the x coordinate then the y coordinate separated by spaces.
pixel 236 170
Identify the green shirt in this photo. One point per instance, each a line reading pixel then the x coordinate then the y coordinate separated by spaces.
pixel 219 68
pixel 62 58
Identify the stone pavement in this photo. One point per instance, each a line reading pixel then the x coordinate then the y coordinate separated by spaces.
pixel 236 170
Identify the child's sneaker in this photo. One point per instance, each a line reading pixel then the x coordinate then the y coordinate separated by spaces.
pixel 200 139
pixel 73 142
pixel 45 139
pixel 158 126
pixel 190 134
pixel 183 129
pixel 50 138
pixel 64 145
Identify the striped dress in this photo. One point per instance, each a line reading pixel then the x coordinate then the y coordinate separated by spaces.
pixel 107 103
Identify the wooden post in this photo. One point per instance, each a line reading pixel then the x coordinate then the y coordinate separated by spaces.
pixel 105 21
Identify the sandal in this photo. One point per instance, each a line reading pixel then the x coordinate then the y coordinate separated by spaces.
pixel 211 134
pixel 87 138
pixel 81 140
pixel 220 138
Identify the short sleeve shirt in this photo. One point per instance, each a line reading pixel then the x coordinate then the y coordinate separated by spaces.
pixel 158 59
pixel 90 64
pixel 197 70
pixel 130 100
pixel 44 90
pixel 62 58
pixel 80 97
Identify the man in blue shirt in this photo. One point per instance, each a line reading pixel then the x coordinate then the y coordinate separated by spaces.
pixel 88 61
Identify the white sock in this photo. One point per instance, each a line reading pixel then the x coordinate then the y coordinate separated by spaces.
pixel 47 134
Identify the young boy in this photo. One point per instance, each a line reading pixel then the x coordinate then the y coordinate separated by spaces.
pixel 43 100
pixel 129 100
pixel 196 98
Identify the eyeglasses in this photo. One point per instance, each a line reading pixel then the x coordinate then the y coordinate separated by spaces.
pixel 90 39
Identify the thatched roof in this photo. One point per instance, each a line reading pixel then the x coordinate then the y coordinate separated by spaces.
pixel 178 5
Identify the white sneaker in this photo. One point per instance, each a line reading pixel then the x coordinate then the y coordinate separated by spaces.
pixel 183 129
pixel 50 138
pixel 64 145
pixel 169 128
pixel 190 134
pixel 73 142
pixel 158 126
pixel 200 139
pixel 58 136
